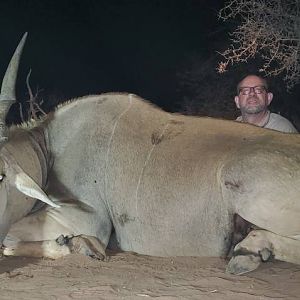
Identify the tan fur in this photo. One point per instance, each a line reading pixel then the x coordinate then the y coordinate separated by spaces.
pixel 169 184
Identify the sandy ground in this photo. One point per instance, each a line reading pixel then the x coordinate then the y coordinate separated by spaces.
pixel 132 276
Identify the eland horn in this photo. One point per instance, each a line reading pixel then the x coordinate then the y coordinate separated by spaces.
pixel 8 93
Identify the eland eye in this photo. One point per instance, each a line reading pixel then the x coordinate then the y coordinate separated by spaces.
pixel 1 177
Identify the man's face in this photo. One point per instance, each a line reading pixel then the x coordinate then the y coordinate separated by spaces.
pixel 253 97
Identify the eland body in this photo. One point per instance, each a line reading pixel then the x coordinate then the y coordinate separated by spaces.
pixel 167 184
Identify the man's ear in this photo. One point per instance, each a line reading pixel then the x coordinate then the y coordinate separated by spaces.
pixel 236 100
pixel 270 97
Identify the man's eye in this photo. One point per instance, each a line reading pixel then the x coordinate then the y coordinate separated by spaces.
pixel 1 177
pixel 245 91
pixel 258 90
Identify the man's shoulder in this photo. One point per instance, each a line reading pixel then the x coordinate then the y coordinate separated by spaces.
pixel 280 123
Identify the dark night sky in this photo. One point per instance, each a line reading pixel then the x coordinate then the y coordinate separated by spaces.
pixel 81 47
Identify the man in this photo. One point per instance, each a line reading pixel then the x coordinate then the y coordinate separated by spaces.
pixel 253 99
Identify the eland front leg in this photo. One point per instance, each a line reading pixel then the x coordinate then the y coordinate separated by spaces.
pixel 62 246
pixel 56 232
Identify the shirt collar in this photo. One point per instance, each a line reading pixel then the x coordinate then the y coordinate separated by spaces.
pixel 262 123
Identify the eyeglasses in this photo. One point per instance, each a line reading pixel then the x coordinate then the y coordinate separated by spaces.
pixel 246 90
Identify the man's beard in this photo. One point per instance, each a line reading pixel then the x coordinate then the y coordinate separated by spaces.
pixel 253 109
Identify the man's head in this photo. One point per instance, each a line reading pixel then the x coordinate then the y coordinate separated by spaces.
pixel 252 95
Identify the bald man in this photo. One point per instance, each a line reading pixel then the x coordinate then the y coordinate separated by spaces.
pixel 253 99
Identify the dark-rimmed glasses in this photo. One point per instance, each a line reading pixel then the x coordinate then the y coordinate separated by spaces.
pixel 246 90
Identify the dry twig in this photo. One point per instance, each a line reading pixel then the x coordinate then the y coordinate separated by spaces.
pixel 34 109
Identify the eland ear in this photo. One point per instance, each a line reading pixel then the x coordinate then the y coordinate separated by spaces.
pixel 29 187
pixel 23 182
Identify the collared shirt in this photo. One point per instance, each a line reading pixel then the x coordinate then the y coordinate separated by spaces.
pixel 275 122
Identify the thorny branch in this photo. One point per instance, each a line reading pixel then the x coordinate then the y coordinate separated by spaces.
pixel 269 28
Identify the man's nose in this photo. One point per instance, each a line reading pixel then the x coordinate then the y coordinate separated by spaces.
pixel 252 91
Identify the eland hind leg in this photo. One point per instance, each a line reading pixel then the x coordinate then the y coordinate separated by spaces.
pixel 259 246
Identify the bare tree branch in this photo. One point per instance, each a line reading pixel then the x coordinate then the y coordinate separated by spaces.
pixel 269 28
pixel 31 111
pixel 34 108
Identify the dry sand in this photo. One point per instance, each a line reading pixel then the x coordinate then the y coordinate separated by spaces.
pixel 132 276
